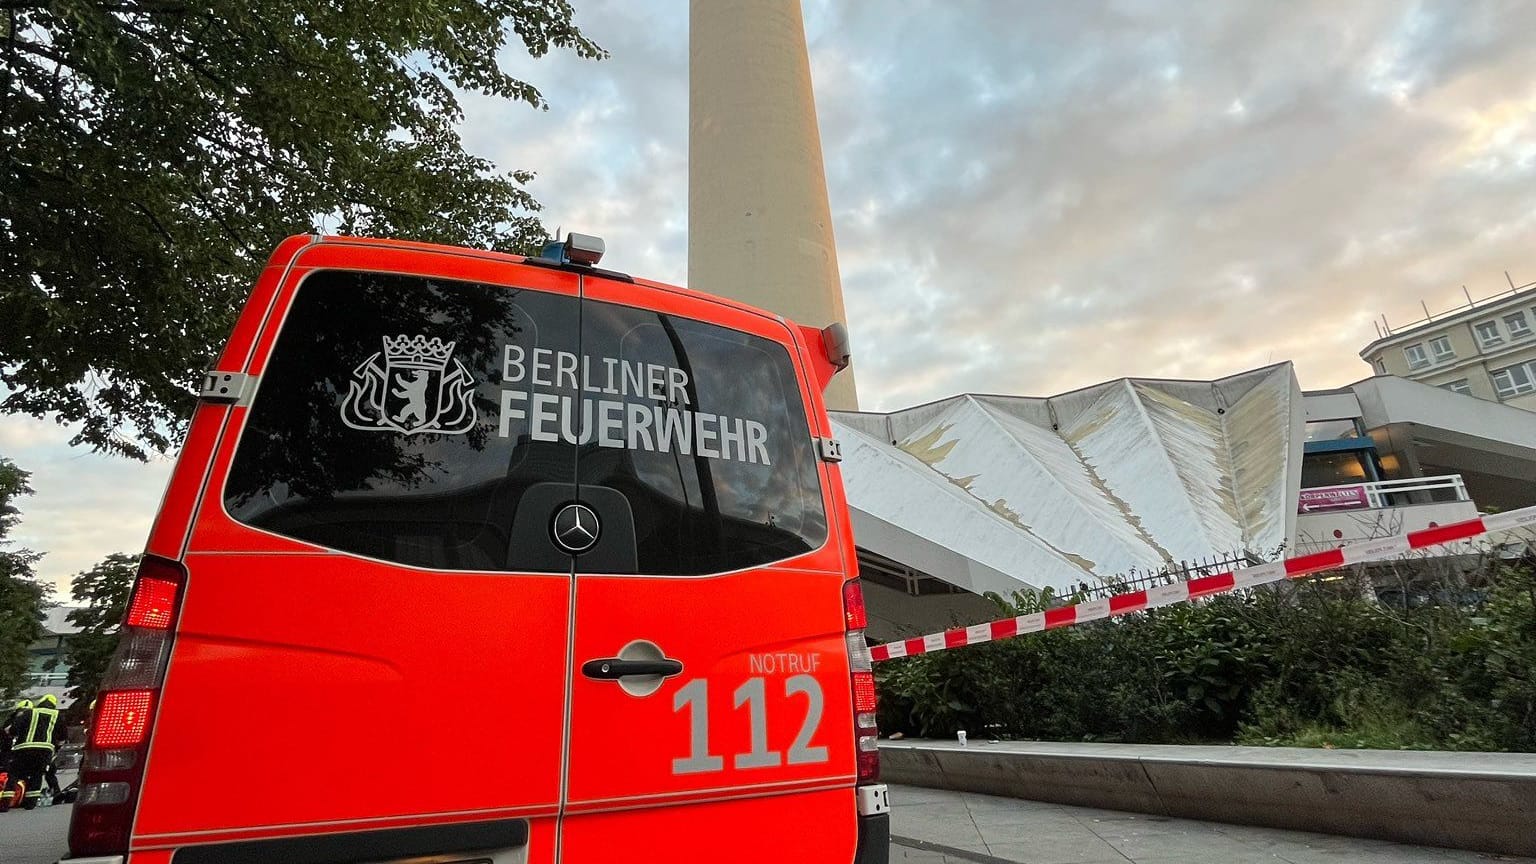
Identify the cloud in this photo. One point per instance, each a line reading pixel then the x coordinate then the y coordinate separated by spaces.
pixel 611 152
pixel 84 506
pixel 1102 210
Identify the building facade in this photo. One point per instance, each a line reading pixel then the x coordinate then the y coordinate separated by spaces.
pixel 1485 349
pixel 48 658
pixel 1140 481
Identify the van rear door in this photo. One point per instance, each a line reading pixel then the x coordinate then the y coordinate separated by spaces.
pixel 375 629
pixel 710 706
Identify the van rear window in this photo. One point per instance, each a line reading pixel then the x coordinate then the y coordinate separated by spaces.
pixel 405 419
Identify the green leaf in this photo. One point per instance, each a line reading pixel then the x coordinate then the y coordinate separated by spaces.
pixel 23 599
pixel 102 592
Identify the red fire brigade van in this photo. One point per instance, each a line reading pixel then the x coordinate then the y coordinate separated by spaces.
pixel 475 558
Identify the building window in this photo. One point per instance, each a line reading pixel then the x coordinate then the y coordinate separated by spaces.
pixel 1514 380
pixel 1459 386
pixel 1334 469
pixel 1518 328
pixel 1331 430
pixel 1440 346
pixel 1381 366
pixel 1488 334
pixel 312 465
pixel 1417 359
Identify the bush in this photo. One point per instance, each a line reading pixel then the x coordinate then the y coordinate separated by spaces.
pixel 1315 663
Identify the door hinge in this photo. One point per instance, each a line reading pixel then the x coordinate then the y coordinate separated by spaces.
pixel 227 388
pixel 831 449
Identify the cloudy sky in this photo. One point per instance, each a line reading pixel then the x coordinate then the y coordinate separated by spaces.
pixel 1031 197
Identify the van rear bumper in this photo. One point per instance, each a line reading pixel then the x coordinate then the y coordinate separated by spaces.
pixel 455 840
pixel 874 839
pixel 874 845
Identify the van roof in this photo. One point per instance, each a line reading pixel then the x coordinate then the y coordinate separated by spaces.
pixel 487 254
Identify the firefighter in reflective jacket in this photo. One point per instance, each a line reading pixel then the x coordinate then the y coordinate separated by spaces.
pixel 32 735
pixel 6 775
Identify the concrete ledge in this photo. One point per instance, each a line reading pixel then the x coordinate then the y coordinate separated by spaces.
pixel 1481 801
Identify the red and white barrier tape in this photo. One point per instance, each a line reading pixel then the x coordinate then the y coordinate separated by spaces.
pixel 1379 549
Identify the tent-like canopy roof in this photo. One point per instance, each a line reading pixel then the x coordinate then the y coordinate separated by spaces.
pixel 995 493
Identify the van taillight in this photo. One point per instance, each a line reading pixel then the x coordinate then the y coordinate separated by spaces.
pixel 154 603
pixel 854 616
pixel 122 719
pixel 865 734
pixel 113 767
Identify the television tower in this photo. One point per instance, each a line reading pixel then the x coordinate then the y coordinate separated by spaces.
pixel 759 225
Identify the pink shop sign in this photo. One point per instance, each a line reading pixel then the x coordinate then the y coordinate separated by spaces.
pixel 1332 498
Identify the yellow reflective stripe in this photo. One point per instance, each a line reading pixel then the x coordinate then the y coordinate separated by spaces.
pixel 37 716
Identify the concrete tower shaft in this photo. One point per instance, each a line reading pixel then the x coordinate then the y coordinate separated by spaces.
pixel 759 225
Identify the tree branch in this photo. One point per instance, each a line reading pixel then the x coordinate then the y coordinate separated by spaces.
pixel 138 8
pixel 39 50
pixel 193 63
pixel 213 211
pixel 159 228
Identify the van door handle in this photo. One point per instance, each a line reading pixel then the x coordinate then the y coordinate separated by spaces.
pixel 614 668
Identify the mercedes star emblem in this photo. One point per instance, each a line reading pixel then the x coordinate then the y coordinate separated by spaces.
pixel 575 528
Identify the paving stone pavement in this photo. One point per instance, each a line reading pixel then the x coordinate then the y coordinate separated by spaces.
pixel 934 827
pixel 34 836
pixel 929 826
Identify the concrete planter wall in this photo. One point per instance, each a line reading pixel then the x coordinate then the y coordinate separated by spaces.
pixel 1481 801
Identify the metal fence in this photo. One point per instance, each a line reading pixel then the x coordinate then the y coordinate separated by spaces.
pixel 1181 572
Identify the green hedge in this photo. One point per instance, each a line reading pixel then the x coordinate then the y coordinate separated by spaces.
pixel 1316 663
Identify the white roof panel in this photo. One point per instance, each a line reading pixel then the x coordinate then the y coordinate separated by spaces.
pixel 1134 473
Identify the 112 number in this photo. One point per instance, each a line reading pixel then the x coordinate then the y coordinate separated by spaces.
pixel 694 696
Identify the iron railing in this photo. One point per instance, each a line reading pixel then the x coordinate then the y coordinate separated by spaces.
pixel 1387 493
pixel 1385 330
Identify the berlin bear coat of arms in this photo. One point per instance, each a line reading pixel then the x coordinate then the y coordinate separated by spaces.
pixel 414 385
